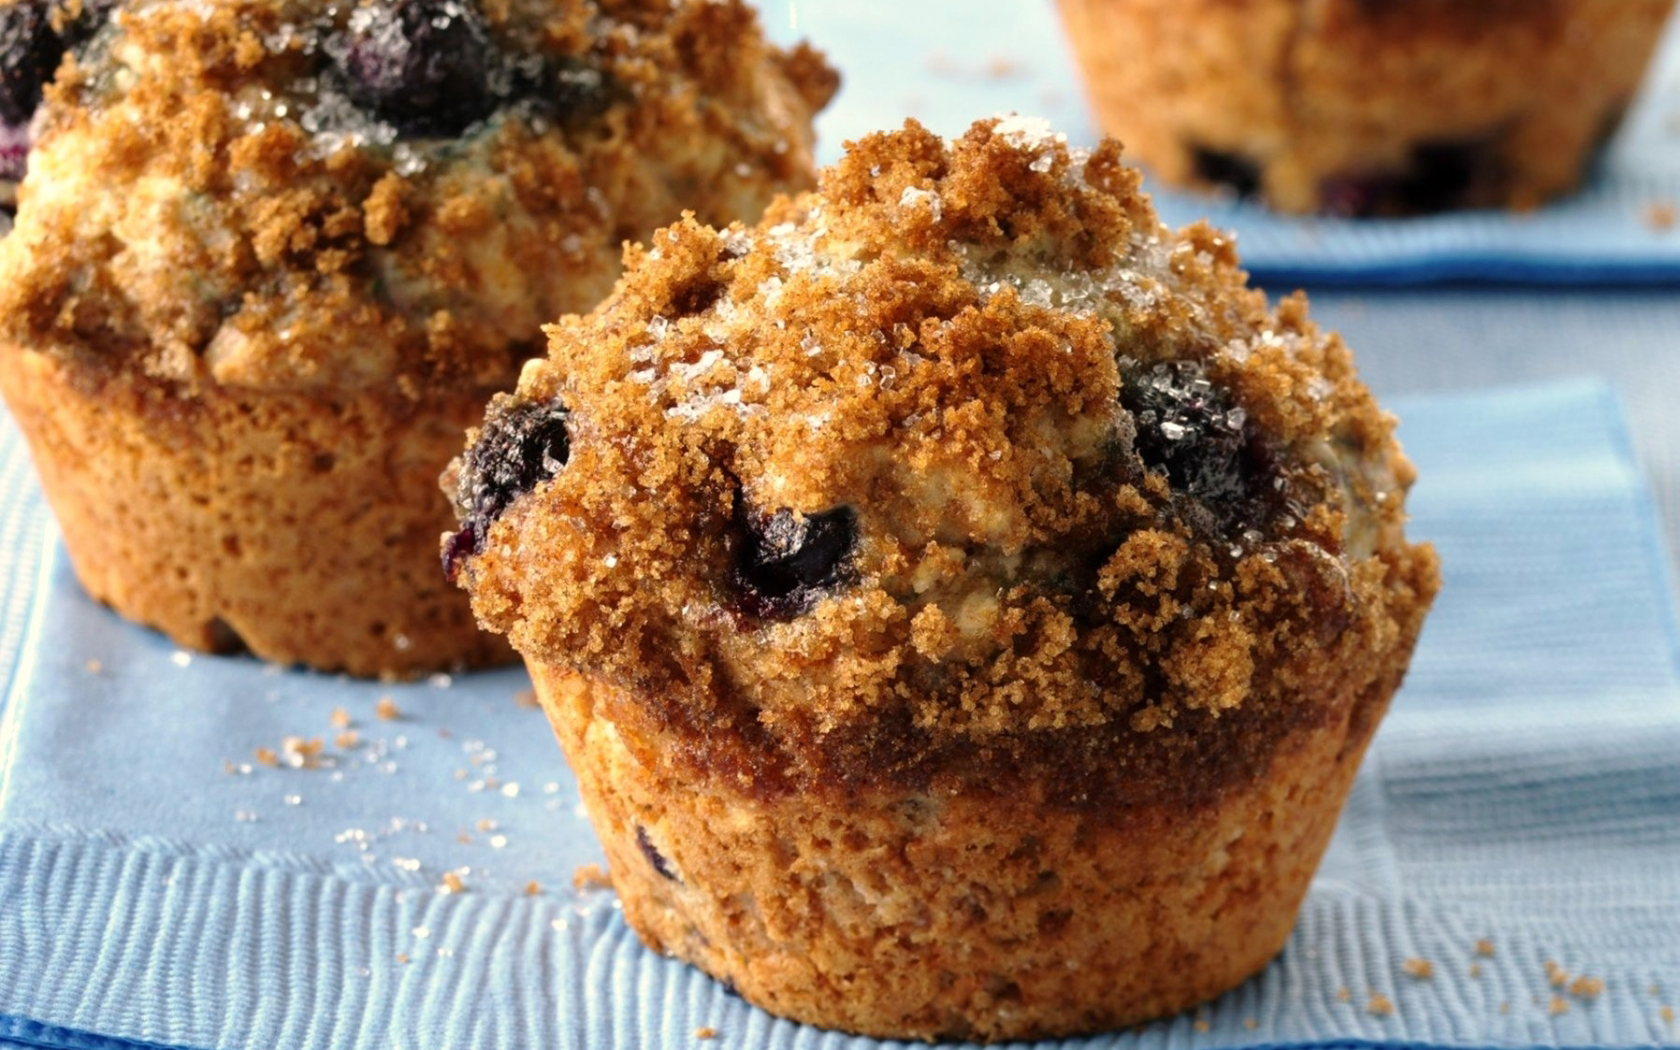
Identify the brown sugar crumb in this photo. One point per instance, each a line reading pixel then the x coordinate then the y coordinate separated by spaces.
pixel 340 718
pixel 1201 1025
pixel 1379 1005
pixel 705 1032
pixel 1344 995
pixel 348 739
pixel 387 709
pixel 265 756
pixel 1556 975
pixel 1660 216
pixel 93 667
pixel 402 957
pixel 1588 988
pixel 1420 969
pixel 300 753
pixel 1484 948
pixel 532 889
pixel 1504 1008
pixel 526 698
pixel 485 824
pixel 1558 1005
pixel 1667 1014
pixel 452 883
pixel 1002 67
pixel 1475 970
pixel 1250 1023
pixel 591 877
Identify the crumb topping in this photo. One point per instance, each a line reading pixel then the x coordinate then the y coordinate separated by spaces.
pixel 963 466
pixel 244 191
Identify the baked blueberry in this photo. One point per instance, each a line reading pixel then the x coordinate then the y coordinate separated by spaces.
pixel 30 51
pixel 788 561
pixel 1238 173
pixel 518 449
pixel 1190 429
pixel 657 860
pixel 422 65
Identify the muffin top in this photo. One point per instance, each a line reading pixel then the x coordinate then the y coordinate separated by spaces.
pixel 961 469
pixel 287 192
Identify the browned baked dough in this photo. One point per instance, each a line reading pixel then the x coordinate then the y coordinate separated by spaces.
pixel 1366 107
pixel 963 600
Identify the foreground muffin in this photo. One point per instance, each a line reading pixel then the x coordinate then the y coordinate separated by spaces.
pixel 272 256
pixel 1361 108
pixel 963 601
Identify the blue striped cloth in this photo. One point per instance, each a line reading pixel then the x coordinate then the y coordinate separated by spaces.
pixel 161 886
pixel 949 63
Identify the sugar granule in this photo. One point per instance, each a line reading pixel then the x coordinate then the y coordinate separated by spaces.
pixel 705 1032
pixel 1558 1005
pixel 1379 1005
pixel 1556 975
pixel 387 709
pixel 452 883
pixel 266 756
pixel 340 718
pixel 1484 948
pixel 1419 969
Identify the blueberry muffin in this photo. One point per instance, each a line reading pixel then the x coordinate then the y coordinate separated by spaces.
pixel 271 257
pixel 1361 107
pixel 964 601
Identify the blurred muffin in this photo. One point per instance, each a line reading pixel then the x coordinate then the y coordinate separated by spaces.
pixel 963 601
pixel 1363 108
pixel 271 257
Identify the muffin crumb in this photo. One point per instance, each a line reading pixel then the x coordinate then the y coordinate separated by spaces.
pixel 1419 969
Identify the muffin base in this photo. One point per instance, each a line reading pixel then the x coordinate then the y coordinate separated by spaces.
pixel 954 916
pixel 1352 108
pixel 300 525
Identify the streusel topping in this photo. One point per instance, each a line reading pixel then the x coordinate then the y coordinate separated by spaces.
pixel 962 465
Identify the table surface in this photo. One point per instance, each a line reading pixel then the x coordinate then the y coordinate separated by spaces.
pixel 1466 338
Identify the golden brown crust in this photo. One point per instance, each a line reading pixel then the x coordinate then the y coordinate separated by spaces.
pixel 1366 106
pixel 944 340
pixel 951 914
pixel 299 526
pixel 203 202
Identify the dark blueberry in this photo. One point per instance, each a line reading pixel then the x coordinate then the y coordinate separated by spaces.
pixel 1440 176
pixel 654 857
pixel 519 448
pixel 14 152
pixel 566 88
pixel 1191 430
pixel 93 16
pixel 1227 169
pixel 786 562
pixel 423 65
pixel 29 55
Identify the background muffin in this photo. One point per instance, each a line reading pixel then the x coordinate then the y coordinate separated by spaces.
pixel 272 257
pixel 1358 108
pixel 964 603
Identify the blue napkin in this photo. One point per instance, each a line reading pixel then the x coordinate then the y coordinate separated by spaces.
pixel 175 871
pixel 949 63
